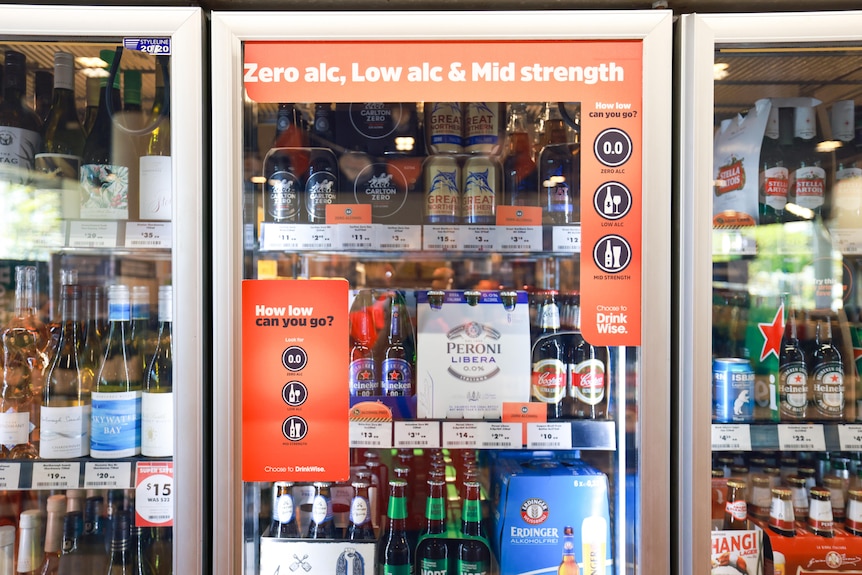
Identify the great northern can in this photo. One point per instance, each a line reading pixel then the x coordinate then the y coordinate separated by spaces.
pixel 732 390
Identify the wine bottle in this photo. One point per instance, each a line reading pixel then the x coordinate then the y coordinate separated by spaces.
pixel 91 544
pixel 157 404
pixel 29 553
pixel 7 550
pixel 93 334
pixel 43 86
pixel 116 399
pixel 142 337
pixel 92 109
pixel 71 559
pixel 65 411
pixel 159 552
pixel 56 507
pixel 22 128
pixel 121 560
pixel 63 139
pixel 105 180
pixel 155 167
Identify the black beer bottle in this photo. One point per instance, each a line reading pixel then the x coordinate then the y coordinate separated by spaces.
pixel 284 523
pixel 321 185
pixel 589 378
pixel 774 175
pixel 394 552
pixel 827 372
pixel 548 377
pixel 360 528
pixel 474 558
pixel 322 524
pixel 396 373
pixel 283 167
pixel 792 376
pixel 432 552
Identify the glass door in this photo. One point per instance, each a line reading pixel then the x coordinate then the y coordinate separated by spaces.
pixel 430 292
pixel 100 171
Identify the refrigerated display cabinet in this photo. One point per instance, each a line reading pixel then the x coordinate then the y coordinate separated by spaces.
pixel 604 80
pixel 49 226
pixel 768 154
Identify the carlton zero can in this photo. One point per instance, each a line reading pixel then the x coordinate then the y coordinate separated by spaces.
pixel 732 390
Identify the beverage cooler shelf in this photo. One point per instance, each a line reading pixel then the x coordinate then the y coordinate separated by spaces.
pixel 792 238
pixel 552 435
pixel 78 474
pixel 787 437
pixel 110 234
pixel 414 238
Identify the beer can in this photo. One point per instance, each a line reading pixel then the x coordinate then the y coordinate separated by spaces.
pixel 480 190
pixel 732 390
pixel 444 127
pixel 442 190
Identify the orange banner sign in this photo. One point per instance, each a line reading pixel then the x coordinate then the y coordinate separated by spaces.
pixel 294 380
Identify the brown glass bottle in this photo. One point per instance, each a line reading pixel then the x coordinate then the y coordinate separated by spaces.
pixel 322 524
pixel 360 528
pixel 284 523
pixel 394 554
pixel 474 558
pixel 735 507
pixel 548 378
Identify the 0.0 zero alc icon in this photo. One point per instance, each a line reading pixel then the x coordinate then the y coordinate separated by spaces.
pixel 294 358
pixel 613 147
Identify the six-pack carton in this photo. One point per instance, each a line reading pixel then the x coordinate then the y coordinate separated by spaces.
pixel 534 497
pixel 808 554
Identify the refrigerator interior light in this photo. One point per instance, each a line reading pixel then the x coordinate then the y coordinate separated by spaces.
pixel 719 70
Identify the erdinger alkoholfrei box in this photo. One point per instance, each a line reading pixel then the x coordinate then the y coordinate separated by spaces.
pixel 473 353
pixel 536 500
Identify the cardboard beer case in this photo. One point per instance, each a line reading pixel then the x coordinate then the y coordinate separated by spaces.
pixel 534 499
pixel 473 353
pixel 316 557
pixel 737 552
pixel 808 554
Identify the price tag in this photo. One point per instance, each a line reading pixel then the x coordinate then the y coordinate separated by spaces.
pixel 10 475
pixel 460 435
pixel 850 437
pixel 417 434
pixel 399 238
pixel 566 239
pixel 500 435
pixel 90 234
pixel 549 436
pixel 356 236
pixel 441 237
pixel 479 238
pixel 148 235
pixel 731 437
pixel 316 237
pixel 519 238
pixel 371 434
pixel 279 237
pixel 802 437
pixel 107 474
pixel 154 494
pixel 734 242
pixel 65 475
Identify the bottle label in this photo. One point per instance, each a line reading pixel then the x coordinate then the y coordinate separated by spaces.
pixel 550 317
pixel 829 389
pixel 472 567
pixel 397 569
pixel 435 508
pixel 17 153
pixel 472 512
pixel 588 381
pixel 848 189
pixel 14 428
pixel 548 380
pixel 737 509
pixel 59 172
pixel 793 389
pixel 321 509
pixel 157 424
pixel 284 509
pixel 397 377
pixel 775 184
pixel 481 128
pixel 594 557
pixel 106 192
pixel 320 191
pixel 282 190
pixel 362 380
pixel 810 186
pixel 115 429
pixel 156 187
pixel 433 566
pixel 359 511
pixel 64 432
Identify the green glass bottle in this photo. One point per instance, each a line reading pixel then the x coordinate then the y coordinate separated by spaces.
pixel 394 552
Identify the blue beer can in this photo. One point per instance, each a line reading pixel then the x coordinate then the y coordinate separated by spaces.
pixel 732 390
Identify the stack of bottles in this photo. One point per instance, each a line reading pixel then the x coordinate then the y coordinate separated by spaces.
pixel 421 507
pixel 111 162
pixel 87 383
pixel 77 532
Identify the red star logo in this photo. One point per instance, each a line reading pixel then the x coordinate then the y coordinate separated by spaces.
pixel 857 353
pixel 772 334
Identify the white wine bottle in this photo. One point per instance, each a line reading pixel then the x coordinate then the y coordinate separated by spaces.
pixel 155 166
pixel 115 429
pixel 157 404
pixel 22 128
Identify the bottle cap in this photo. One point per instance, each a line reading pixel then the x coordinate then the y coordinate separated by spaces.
pixel 56 504
pixel 118 293
pixel 64 70
pixel 166 303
